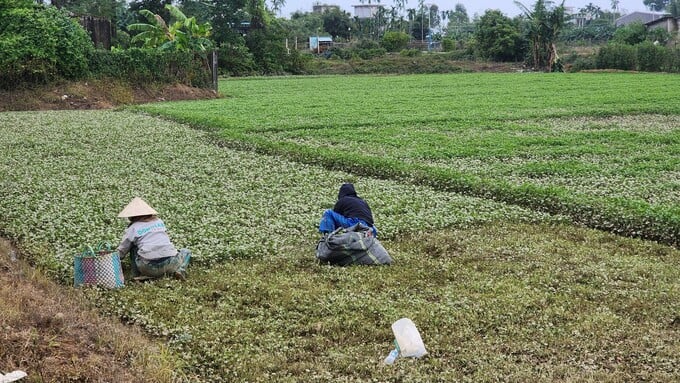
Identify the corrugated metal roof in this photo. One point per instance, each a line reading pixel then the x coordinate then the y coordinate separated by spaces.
pixel 643 17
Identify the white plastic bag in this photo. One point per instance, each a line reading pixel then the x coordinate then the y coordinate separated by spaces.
pixel 12 376
pixel 408 338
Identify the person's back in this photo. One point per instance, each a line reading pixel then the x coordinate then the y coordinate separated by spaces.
pixel 349 210
pixel 350 205
pixel 150 238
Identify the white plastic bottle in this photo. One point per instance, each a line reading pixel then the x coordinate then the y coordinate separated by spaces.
pixel 392 356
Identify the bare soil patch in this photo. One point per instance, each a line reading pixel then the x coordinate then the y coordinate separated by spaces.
pixel 98 94
pixel 48 331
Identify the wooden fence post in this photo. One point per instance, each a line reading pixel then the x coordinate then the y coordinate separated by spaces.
pixel 214 70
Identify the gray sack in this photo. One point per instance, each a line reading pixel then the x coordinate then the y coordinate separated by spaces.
pixel 355 245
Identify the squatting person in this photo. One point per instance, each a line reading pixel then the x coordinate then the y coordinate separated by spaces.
pixel 349 210
pixel 152 254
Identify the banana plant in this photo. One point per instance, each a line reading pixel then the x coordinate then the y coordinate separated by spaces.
pixel 185 34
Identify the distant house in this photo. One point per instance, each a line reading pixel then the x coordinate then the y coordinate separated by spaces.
pixel 668 23
pixel 651 20
pixel 576 17
pixel 320 44
pixel 243 28
pixel 321 8
pixel 641 17
pixel 366 11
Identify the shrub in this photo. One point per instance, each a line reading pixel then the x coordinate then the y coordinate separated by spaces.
pixel 342 53
pixel 367 44
pixel 659 36
pixel 583 63
pixel 296 62
pixel 631 34
pixel 448 45
pixel 410 52
pixel 498 37
pixel 365 50
pixel 617 56
pixel 674 60
pixel 368 54
pixel 652 58
pixel 39 44
pixel 394 41
pixel 235 60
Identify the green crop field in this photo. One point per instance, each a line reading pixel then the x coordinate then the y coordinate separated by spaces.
pixel 483 187
pixel 603 149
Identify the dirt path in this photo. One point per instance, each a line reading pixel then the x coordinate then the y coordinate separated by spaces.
pixel 48 331
pixel 95 94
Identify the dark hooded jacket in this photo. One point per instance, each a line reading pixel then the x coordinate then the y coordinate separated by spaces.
pixel 351 206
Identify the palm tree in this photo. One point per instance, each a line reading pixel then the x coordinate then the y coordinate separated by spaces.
pixel 277 5
pixel 544 28
pixel 411 17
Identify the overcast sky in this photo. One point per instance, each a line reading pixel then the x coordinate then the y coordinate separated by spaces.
pixel 508 7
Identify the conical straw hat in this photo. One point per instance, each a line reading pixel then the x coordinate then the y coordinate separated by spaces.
pixel 135 208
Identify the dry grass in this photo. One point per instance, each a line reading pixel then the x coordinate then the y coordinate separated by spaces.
pixel 49 332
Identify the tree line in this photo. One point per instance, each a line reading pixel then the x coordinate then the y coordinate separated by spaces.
pixel 250 38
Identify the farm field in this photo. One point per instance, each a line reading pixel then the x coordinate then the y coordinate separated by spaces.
pixel 603 149
pixel 499 291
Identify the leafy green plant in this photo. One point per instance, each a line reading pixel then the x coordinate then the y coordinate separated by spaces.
pixel 583 63
pixel 448 45
pixel 545 23
pixel 498 38
pixel 411 52
pixel 185 34
pixel 146 66
pixel 631 34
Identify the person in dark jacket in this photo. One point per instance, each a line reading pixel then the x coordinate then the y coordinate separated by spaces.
pixel 349 210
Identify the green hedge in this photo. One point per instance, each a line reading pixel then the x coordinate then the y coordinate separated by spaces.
pixel 144 66
pixel 652 58
pixel 617 56
pixel 644 56
pixel 38 44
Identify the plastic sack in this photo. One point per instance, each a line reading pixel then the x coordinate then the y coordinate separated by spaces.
pixel 408 338
pixel 100 268
pixel 12 376
pixel 354 245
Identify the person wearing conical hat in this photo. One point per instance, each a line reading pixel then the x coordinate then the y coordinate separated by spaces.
pixel 152 254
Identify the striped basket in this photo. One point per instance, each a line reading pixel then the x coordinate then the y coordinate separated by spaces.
pixel 98 268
